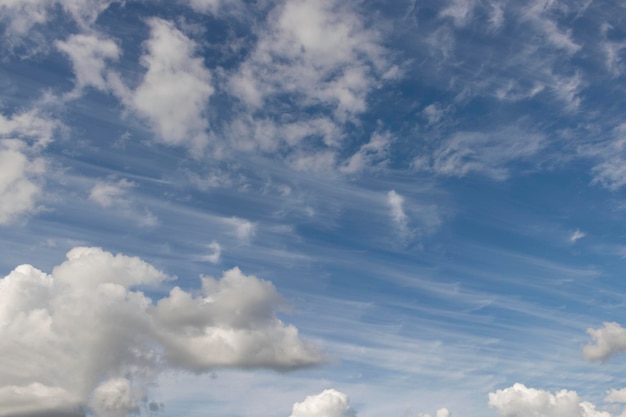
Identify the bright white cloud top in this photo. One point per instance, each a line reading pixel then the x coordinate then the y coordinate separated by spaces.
pixel 435 188
pixel 84 336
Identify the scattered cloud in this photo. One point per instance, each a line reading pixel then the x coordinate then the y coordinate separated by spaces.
pixel 442 412
pixel 243 229
pixel 520 401
pixel 370 154
pixel 174 93
pixel 320 52
pixel 21 177
pixel 396 207
pixel 70 319
pixel 88 54
pixel 23 15
pixel 609 340
pixel 107 194
pixel 485 153
pixel 215 254
pixel 329 403
pixel 576 235
pixel 22 138
pixel 114 194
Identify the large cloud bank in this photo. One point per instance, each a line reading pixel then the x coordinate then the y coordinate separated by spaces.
pixel 84 339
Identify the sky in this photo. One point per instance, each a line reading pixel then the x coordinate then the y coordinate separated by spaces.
pixel 312 208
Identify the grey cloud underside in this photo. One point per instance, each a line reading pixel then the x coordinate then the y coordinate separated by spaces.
pixel 87 317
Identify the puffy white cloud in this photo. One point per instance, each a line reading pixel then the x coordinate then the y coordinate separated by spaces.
pixel 22 137
pixel 616 396
pixel 31 126
pixel 608 341
pixel 85 338
pixel 320 52
pixel 89 53
pixel 520 401
pixel 329 403
pixel 234 319
pixel 174 93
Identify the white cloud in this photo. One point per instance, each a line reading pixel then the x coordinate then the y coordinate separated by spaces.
pixel 20 180
pixel 442 412
pixel 215 254
pixel 520 401
pixel 576 235
pixel 608 341
pixel 24 14
pixel 89 54
pixel 372 153
pixel 30 125
pixel 174 93
pixel 22 137
pixel 616 396
pixel 242 228
pixel 396 206
pixel 84 336
pixel 107 194
pixel 483 153
pixel 115 398
pixel 460 11
pixel 610 157
pixel 329 403
pixel 320 52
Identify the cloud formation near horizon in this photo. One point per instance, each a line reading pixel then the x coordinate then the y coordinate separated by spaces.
pixel 84 337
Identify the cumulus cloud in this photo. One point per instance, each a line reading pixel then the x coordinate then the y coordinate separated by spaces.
pixel 319 51
pixel 324 60
pixel 88 54
pixel 22 137
pixel 84 337
pixel 608 341
pixel 520 401
pixel 174 93
pixel 329 403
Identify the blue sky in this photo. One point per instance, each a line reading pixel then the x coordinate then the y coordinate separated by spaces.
pixel 312 208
